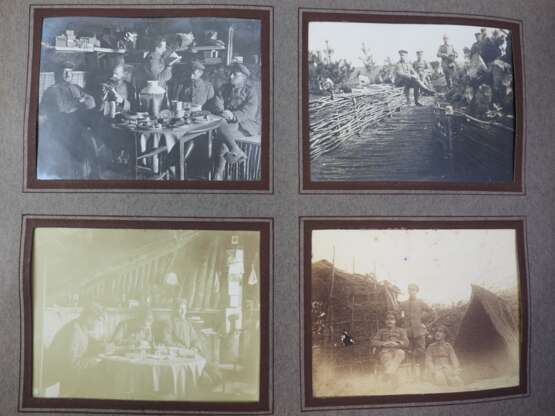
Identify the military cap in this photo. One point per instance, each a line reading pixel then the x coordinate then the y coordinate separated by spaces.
pixel 390 314
pixel 198 65
pixel 402 52
pixel 440 328
pixel 419 51
pixel 413 286
pixel 238 67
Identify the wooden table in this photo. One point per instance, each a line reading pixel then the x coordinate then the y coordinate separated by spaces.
pixel 183 136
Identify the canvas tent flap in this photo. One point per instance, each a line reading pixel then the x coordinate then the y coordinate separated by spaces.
pixel 488 340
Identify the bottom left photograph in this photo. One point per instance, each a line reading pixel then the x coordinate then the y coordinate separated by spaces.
pixel 123 311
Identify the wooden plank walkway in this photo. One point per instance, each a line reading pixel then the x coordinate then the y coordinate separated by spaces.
pixel 400 148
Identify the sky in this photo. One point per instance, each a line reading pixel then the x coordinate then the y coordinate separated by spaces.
pixel 443 263
pixel 385 39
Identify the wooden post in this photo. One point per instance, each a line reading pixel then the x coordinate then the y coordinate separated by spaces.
pixel 450 150
pixel 229 55
pixel 330 297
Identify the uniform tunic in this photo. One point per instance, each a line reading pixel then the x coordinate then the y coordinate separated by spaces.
pixel 243 103
pixel 181 332
pixel 442 362
pixel 447 54
pixel 391 357
pixel 155 68
pixel 421 68
pixel 414 311
pixel 64 97
pixel 126 91
pixel 197 92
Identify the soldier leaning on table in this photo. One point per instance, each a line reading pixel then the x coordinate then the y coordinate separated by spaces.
pixel 72 357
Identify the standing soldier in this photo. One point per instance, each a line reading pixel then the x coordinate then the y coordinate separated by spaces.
pixel 237 104
pixel 421 67
pixel 448 55
pixel 406 76
pixel 414 310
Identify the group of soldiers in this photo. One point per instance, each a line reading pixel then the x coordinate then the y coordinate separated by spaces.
pixel 435 361
pixel 483 81
pixel 73 355
pixel 76 123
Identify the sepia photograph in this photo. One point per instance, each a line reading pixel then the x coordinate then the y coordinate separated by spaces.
pixel 398 311
pixel 159 315
pixel 169 98
pixel 423 103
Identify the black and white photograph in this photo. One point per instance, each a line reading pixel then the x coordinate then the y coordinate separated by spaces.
pixel 408 102
pixel 420 312
pixel 147 314
pixel 151 98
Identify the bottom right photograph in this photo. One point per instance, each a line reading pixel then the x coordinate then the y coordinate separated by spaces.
pixel 401 310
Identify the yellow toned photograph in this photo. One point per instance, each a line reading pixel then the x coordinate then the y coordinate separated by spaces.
pixel 146 314
pixel 414 311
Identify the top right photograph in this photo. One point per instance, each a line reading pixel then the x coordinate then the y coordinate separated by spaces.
pixel 411 102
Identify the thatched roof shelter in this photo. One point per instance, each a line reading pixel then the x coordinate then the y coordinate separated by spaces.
pixel 351 301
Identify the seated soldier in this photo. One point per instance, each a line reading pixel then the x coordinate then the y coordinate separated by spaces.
pixel 64 116
pixel 237 103
pixel 115 95
pixel 135 332
pixel 391 341
pixel 72 357
pixel 193 89
pixel 441 361
pixel 179 332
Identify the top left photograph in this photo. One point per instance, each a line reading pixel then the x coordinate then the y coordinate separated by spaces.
pixel 149 99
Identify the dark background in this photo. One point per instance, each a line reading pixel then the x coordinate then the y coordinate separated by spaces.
pixel 285 204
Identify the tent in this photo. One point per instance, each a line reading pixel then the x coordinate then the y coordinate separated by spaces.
pixel 488 339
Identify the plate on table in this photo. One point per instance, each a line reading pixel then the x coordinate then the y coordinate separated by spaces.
pixel 135 116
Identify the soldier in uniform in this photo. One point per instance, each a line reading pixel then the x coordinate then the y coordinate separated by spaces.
pixel 391 342
pixel 415 311
pixel 158 63
pixel 421 67
pixel 237 103
pixel 448 55
pixel 64 117
pixel 407 77
pixel 195 90
pixel 441 361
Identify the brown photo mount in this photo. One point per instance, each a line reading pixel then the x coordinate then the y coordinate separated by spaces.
pixel 308 185
pixel 37 14
pixel 310 224
pixel 29 403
